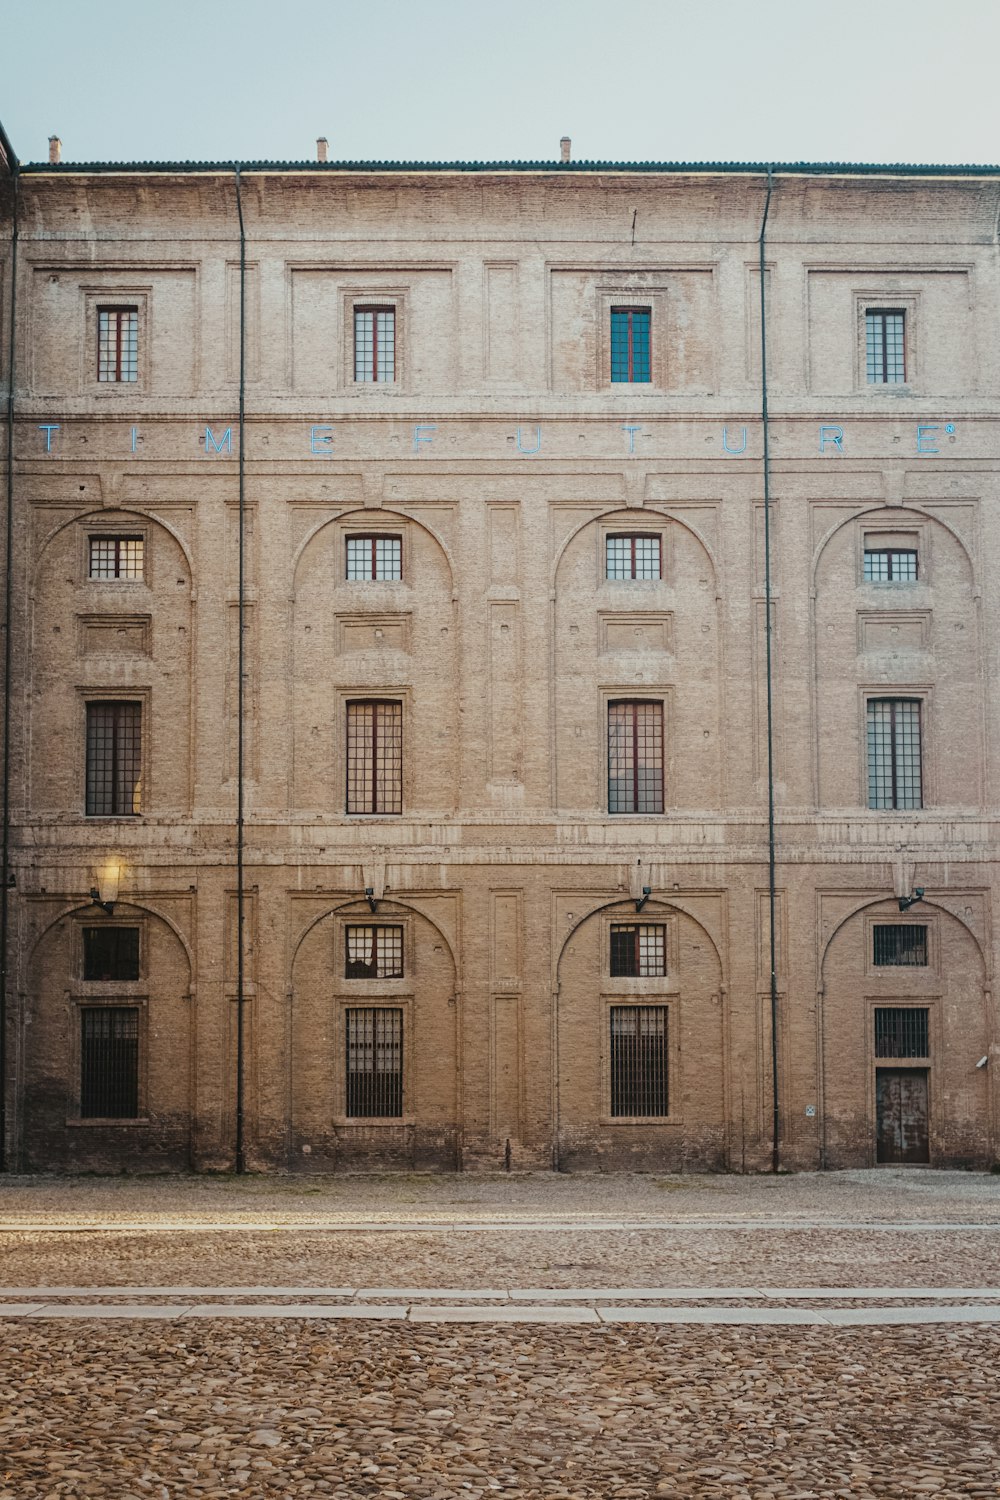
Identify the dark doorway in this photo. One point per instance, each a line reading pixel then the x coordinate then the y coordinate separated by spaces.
pixel 901 1108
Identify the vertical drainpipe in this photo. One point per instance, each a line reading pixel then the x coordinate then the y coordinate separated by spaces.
pixel 768 632
pixel 240 1152
pixel 8 620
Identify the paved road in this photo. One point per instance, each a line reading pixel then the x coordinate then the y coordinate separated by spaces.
pixel 570 1337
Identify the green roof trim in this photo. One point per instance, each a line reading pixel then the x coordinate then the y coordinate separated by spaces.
pixel 570 168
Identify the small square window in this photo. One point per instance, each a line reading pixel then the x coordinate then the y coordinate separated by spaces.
pixel 894 761
pixel 901 1031
pixel 115 557
pixel 890 565
pixel 638 950
pixel 118 345
pixel 630 345
pixel 375 1062
pixel 899 945
pixel 373 952
pixel 885 345
pixel 373 558
pixel 374 345
pixel 639 1061
pixel 633 555
pixel 114 759
pixel 111 953
pixel 109 1062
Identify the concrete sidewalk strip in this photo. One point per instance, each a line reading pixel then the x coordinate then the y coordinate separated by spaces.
pixel 861 1293
pixel 846 1316
pixel 296 1310
pixel 444 1226
pixel 505 1313
pixel 637 1294
pixel 430 1293
pixel 182 1291
pixel 161 1310
pixel 717 1315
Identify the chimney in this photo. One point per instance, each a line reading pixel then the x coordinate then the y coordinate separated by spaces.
pixel 322 148
pixel 564 147
pixel 55 149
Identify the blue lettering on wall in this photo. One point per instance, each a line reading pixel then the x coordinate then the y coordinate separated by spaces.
pixel 631 436
pixel 834 435
pixel 318 444
pixel 135 436
pixel 225 445
pixel 925 443
pixel 419 432
pixel 725 441
pixel 538 442
pixel 48 428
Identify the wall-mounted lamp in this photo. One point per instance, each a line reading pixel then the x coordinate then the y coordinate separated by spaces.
pixel 105 893
pixel 370 897
pixel 905 902
pixel 640 902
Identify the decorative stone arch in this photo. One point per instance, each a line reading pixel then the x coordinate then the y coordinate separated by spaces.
pixel 633 516
pixel 625 900
pixel 880 901
pixel 901 510
pixel 372 918
pixel 87 516
pixel 140 906
pixel 397 516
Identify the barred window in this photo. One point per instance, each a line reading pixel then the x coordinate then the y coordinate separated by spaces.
pixel 374 952
pixel 638 950
pixel 901 1031
pixel 116 556
pixel 894 778
pixel 635 757
pixel 109 1062
pixel 374 557
pixel 890 565
pixel 375 1062
pixel 114 759
pixel 374 344
pixel 639 1061
pixel 900 945
pixel 375 757
pixel 630 345
pixel 118 344
pixel 111 953
pixel 632 556
pixel 885 345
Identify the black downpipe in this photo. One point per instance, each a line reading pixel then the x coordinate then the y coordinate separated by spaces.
pixel 768 632
pixel 7 631
pixel 240 1152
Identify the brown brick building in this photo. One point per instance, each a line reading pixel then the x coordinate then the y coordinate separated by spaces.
pixel 492 469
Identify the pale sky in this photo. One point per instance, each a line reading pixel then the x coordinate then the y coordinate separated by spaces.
pixel 780 80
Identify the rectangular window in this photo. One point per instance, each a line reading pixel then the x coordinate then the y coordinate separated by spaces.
pixel 374 952
pixel 900 945
pixel 885 341
pixel 111 953
pixel 374 757
pixel 639 1060
pixel 890 566
pixel 635 757
pixel 114 759
pixel 374 344
pixel 118 344
pixel 901 1031
pixel 375 557
pixel 630 345
pixel 116 557
pixel 109 1062
pixel 894 753
pixel 632 557
pixel 375 1062
pixel 638 950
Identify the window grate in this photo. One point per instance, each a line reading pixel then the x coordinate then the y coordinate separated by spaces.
pixel 894 777
pixel 374 344
pixel 374 558
pixel 885 346
pixel 118 345
pixel 631 557
pixel 109 1062
pixel 635 757
pixel 116 557
pixel 630 345
pixel 111 953
pixel 901 1031
pixel 900 945
pixel 890 565
pixel 638 950
pixel 114 759
pixel 373 952
pixel 375 757
pixel 375 1062
pixel 639 1061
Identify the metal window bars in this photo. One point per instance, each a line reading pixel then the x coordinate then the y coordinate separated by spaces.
pixel 632 556
pixel 885 346
pixel 374 1036
pixel 894 771
pixel 114 760
pixel 635 757
pixel 117 345
pixel 372 558
pixel 639 1061
pixel 901 1031
pixel 111 953
pixel 109 1062
pixel 116 557
pixel 899 945
pixel 373 952
pixel 630 345
pixel 638 950
pixel 890 565
pixel 375 757
pixel 374 344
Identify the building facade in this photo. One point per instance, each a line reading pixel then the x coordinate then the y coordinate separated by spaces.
pixel 391 550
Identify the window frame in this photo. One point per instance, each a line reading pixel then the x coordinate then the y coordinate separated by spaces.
pixel 396 1116
pixel 877 321
pixel 878 967
pixel 632 537
pixel 616 928
pixel 630 310
pixel 359 924
pixel 139 698
pixel 878 300
pixel 116 579
pixel 94 997
pixel 114 299
pixel 362 306
pixel 620 1003
pixel 374 537
pixel 360 699
pixel 110 925
pixel 615 699
pixel 908 696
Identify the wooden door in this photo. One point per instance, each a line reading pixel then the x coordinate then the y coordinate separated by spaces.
pixel 901 1110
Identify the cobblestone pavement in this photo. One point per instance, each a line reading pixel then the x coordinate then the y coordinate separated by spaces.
pixel 258 1406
